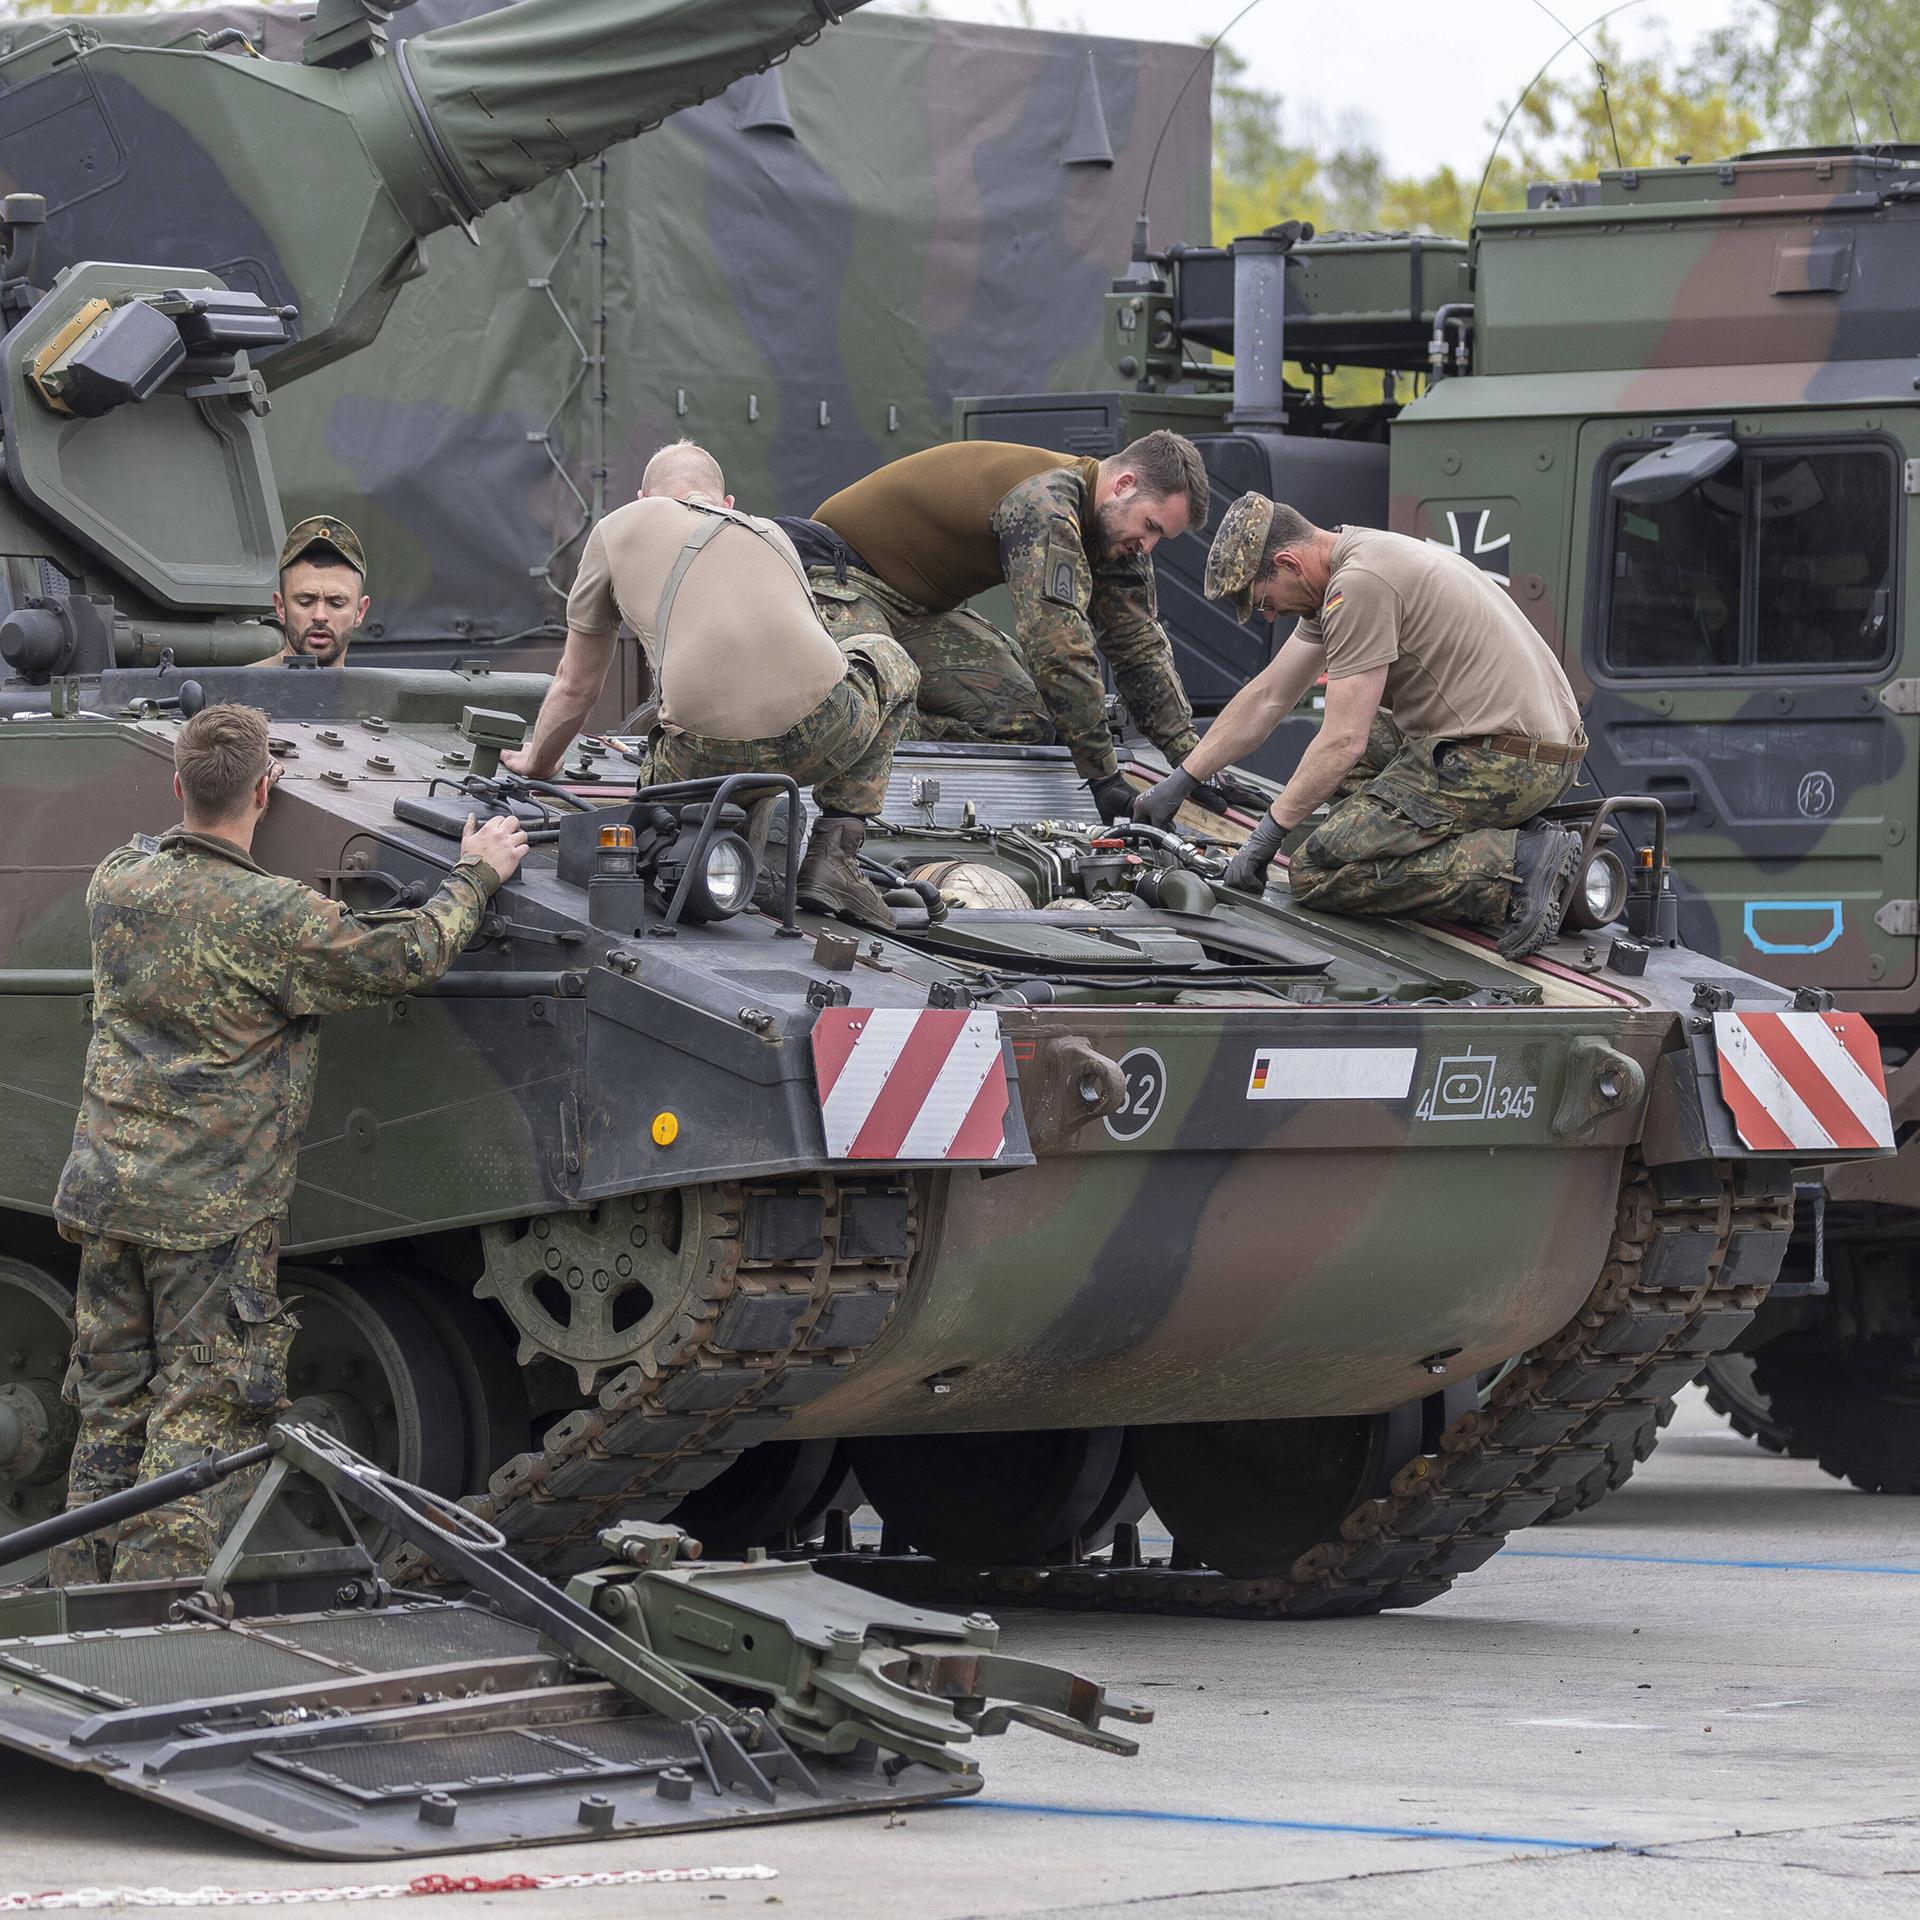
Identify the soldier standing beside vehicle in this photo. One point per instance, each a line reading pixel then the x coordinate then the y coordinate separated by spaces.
pixel 1449 727
pixel 210 977
pixel 900 551
pixel 321 601
pixel 749 680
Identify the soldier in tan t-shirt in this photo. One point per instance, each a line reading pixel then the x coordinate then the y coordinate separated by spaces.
pixel 748 679
pixel 1449 727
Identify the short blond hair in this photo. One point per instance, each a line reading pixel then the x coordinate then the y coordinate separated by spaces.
pixel 682 468
pixel 218 755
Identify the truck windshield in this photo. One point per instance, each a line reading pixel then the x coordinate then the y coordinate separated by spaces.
pixel 1784 559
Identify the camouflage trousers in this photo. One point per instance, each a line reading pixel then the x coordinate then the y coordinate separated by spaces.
pixel 975 683
pixel 1424 826
pixel 174 1352
pixel 843 749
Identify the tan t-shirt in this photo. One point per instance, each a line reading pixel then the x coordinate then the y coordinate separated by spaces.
pixel 746 655
pixel 924 523
pixel 1461 658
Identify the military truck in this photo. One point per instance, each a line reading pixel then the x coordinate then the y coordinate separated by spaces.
pixel 667 1203
pixel 1673 409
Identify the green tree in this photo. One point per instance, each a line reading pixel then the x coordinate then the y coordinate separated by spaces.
pixel 1826 74
pixel 1260 175
pixel 1568 127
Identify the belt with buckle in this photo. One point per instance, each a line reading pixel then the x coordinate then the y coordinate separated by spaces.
pixel 1521 748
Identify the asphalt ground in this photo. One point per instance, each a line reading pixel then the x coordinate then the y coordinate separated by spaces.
pixel 1696 1700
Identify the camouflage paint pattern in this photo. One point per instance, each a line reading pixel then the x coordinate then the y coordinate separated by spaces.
pixel 175 1351
pixel 1424 827
pixel 1760 299
pixel 210 976
pixel 843 749
pixel 801 274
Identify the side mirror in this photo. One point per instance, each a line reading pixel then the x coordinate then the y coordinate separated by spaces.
pixel 1673 470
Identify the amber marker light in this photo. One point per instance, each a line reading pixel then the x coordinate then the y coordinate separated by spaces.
pixel 666 1127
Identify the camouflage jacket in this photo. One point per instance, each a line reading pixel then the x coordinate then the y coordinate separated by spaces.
pixel 210 976
pixel 1067 605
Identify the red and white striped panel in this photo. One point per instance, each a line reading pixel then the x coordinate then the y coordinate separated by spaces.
pixel 901 1084
pixel 1798 1080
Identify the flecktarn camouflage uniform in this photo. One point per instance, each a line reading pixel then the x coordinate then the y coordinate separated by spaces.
pixel 843 749
pixel 1069 609
pixel 1424 826
pixel 210 978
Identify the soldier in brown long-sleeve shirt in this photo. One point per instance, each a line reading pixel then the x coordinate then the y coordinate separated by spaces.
pixel 1071 539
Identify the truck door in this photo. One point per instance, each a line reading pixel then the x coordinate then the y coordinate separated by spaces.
pixel 1742 631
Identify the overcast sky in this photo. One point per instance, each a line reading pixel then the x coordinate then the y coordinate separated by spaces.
pixel 1425 83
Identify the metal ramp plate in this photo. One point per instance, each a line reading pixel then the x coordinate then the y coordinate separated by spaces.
pixel 402 1730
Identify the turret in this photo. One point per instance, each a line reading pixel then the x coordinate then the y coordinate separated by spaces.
pixel 275 210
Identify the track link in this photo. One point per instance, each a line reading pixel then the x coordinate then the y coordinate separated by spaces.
pixel 757 1334
pixel 1693 1252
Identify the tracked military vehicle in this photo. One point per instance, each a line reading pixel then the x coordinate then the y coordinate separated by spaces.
pixel 1674 410
pixel 1094 1183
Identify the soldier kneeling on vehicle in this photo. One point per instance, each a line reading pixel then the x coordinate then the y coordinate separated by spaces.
pixel 903 550
pixel 748 679
pixel 1449 728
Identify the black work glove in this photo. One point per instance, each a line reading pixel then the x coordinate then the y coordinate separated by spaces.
pixel 1159 804
pixel 1248 867
pixel 1113 795
pixel 1223 791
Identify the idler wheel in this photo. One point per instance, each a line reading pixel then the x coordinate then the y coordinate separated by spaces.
pixel 367 1366
pixel 36 1429
pixel 1249 1497
pixel 769 1488
pixel 1856 1412
pixel 992 1498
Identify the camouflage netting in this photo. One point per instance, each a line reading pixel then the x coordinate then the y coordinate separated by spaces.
pixel 802 273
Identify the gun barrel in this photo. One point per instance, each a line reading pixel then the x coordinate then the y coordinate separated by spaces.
pixel 111 1508
pixel 512 97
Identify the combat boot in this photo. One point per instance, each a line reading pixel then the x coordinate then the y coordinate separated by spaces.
pixel 830 876
pixel 1543 860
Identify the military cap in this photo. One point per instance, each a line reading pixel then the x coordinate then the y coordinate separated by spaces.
pixel 1234 559
pixel 323 530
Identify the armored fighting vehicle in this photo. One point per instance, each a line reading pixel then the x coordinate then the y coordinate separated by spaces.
pixel 1109 1186
pixel 1674 410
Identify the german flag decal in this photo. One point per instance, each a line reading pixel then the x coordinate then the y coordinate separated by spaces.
pixel 1331 604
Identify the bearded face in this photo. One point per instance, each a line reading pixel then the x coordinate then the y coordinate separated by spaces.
pixel 320 607
pixel 1131 521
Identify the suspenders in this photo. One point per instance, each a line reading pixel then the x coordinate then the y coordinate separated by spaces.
pixel 716 518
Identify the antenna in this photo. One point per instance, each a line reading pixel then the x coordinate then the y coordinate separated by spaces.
pixel 1887 99
pixel 1859 139
pixel 1206 53
pixel 1572 39
pixel 1606 98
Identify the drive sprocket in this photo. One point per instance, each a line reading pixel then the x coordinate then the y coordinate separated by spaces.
pixel 593 1287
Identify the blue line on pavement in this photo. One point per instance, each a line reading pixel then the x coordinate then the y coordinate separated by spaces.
pixel 1290 1826
pixel 1692 1560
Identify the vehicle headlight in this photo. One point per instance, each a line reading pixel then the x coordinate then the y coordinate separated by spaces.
pixel 1600 894
pixel 729 873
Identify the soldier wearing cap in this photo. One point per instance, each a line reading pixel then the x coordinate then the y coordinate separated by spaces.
pixel 1449 728
pixel 322 595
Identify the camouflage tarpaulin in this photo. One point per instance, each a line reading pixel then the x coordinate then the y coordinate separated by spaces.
pixel 802 273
